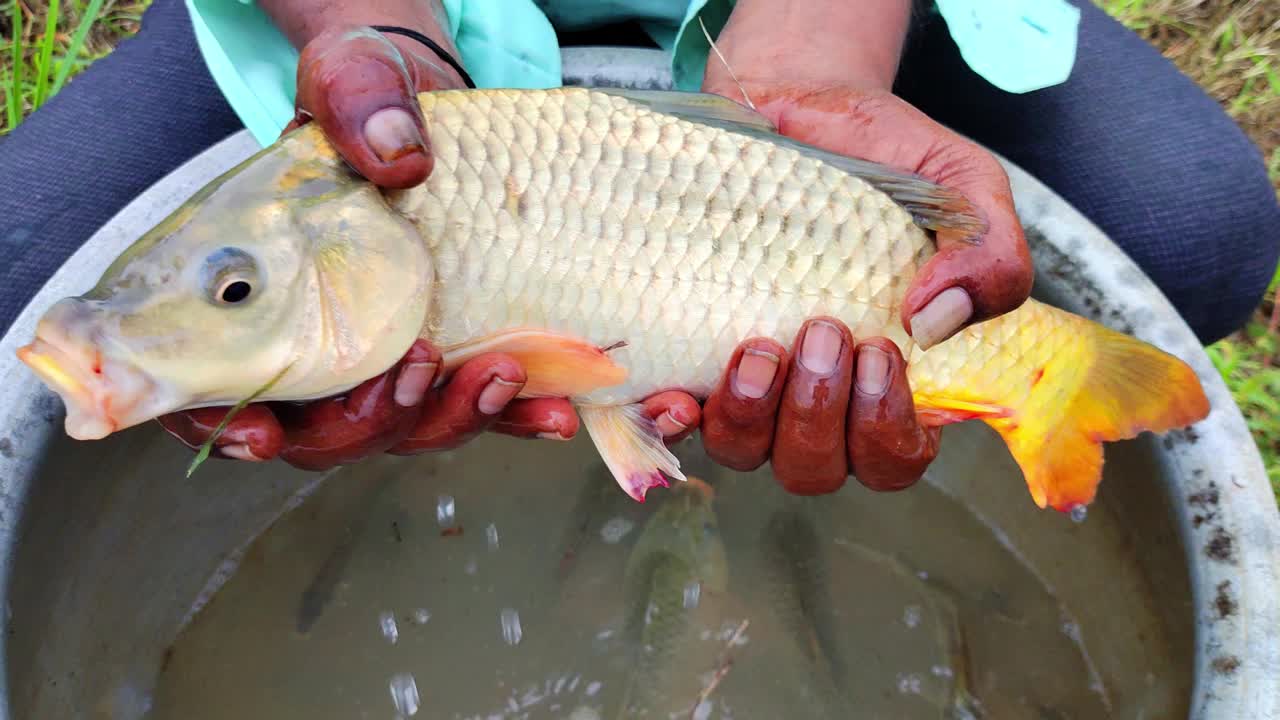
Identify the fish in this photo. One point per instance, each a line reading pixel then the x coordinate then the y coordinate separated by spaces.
pixel 796 593
pixel 615 242
pixel 678 558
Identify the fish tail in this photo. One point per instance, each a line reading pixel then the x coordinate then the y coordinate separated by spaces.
pixel 1064 386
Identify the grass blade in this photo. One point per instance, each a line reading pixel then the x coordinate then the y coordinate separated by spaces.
pixel 11 113
pixel 46 55
pixel 87 20
pixel 14 100
pixel 207 448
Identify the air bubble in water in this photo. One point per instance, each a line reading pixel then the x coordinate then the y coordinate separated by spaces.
pixel 404 694
pixel 911 616
pixel 615 529
pixel 444 510
pixel 909 684
pixel 421 616
pixel 593 687
pixel 491 534
pixel 941 671
pixel 692 592
pixel 1079 513
pixel 511 631
pixel 387 622
pixel 471 566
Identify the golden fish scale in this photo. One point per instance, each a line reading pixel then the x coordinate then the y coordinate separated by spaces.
pixel 583 213
pixel 999 361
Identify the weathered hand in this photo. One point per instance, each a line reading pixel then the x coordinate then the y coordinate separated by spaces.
pixel 359 86
pixel 833 406
pixel 842 404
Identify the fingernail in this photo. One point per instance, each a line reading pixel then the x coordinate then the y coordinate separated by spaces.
pixel 392 134
pixel 496 395
pixel 821 349
pixel 873 370
pixel 412 383
pixel 240 452
pixel 941 317
pixel 552 436
pixel 755 373
pixel 668 425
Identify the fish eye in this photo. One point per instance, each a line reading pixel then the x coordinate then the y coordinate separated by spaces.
pixel 230 277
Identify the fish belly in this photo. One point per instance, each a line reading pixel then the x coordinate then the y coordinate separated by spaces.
pixel 583 214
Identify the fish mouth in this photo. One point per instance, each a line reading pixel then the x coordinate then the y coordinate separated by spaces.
pixel 102 395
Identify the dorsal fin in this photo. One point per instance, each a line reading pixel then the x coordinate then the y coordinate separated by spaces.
pixel 932 206
pixel 705 108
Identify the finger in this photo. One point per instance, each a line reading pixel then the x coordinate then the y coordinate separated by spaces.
pixel 676 413
pixel 739 415
pixel 254 434
pixel 888 448
pixel 377 414
pixel 359 89
pixel 544 418
pixel 469 404
pixel 808 454
pixel 969 281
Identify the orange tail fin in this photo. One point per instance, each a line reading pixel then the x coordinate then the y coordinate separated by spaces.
pixel 1098 386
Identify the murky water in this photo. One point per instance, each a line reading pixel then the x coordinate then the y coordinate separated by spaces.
pixel 409 588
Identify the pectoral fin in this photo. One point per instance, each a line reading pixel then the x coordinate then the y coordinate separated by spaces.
pixel 631 446
pixel 556 365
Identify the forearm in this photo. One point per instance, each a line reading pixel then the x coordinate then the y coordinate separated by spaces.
pixel 303 20
pixel 818 42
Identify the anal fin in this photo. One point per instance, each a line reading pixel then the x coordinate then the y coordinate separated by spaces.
pixel 631 446
pixel 555 365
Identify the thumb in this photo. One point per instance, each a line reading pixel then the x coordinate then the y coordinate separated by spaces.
pixel 969 280
pixel 357 86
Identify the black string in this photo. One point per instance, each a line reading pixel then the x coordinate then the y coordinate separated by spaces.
pixel 414 34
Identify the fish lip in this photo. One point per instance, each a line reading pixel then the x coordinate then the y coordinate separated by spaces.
pixel 101 395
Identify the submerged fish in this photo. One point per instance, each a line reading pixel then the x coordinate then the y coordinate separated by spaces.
pixel 617 243
pixel 679 556
pixel 795 586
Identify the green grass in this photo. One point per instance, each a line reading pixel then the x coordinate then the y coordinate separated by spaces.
pixel 1230 47
pixel 46 42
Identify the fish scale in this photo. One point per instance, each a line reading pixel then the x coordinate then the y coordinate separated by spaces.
pixel 712 260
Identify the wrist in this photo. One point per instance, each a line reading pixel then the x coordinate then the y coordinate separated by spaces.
pixel 302 21
pixel 821 43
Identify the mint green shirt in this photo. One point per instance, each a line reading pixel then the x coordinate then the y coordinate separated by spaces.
pixel 1017 45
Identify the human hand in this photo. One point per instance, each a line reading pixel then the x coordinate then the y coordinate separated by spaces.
pixel 832 406
pixel 851 408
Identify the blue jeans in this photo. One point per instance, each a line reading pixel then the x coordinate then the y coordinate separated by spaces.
pixel 1132 143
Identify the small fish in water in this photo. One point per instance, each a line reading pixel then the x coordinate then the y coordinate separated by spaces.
pixel 796 591
pixel 615 242
pixel 679 547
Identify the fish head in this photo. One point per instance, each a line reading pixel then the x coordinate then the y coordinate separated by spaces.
pixel 288 268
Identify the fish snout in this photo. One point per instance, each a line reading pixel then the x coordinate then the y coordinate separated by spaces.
pixel 102 394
